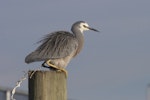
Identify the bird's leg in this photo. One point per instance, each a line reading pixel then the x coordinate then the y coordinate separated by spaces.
pixel 43 65
pixel 51 68
pixel 59 69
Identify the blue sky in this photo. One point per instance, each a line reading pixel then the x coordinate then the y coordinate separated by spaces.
pixel 114 64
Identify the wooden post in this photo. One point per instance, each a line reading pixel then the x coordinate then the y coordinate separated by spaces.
pixel 47 85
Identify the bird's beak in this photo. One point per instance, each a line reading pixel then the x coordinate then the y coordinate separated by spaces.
pixel 93 29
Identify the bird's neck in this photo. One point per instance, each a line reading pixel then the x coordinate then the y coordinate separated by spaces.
pixel 80 37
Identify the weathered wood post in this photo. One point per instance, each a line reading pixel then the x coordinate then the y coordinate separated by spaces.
pixel 47 85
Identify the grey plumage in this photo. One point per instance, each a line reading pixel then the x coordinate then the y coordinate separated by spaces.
pixel 61 46
pixel 53 46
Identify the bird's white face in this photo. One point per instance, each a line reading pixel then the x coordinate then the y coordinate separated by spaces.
pixel 84 27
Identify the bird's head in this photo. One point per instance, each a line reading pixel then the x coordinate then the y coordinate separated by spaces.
pixel 82 26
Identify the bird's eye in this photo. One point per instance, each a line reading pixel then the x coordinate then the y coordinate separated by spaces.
pixel 85 26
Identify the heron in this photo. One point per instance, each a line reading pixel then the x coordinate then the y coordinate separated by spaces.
pixel 58 48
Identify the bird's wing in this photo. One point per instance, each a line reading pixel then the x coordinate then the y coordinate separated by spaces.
pixel 57 45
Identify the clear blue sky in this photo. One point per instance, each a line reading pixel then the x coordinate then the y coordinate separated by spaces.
pixel 114 65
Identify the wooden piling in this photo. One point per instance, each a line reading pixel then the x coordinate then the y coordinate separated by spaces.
pixel 47 85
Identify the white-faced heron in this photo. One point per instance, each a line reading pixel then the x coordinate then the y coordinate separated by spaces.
pixel 58 48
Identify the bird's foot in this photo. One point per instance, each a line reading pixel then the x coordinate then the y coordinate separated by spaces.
pixel 51 66
pixel 63 70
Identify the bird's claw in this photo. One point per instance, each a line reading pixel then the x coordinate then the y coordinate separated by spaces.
pixel 63 70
